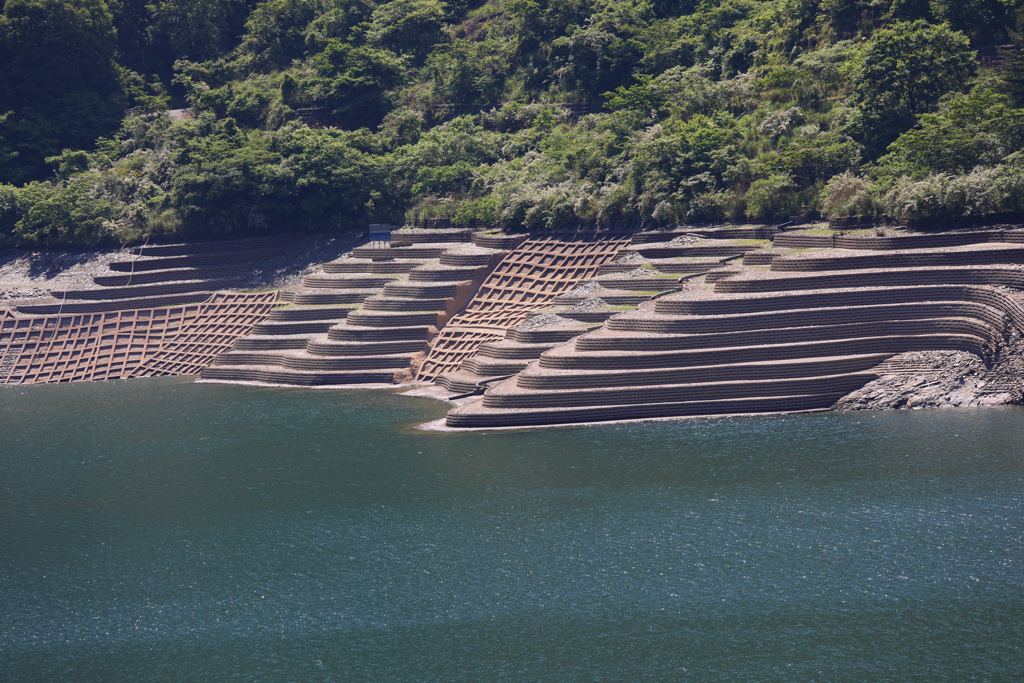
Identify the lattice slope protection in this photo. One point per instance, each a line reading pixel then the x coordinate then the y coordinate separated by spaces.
pixel 178 340
pixel 527 280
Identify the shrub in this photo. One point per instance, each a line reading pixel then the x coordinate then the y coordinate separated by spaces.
pixel 770 198
pixel 980 192
pixel 708 207
pixel 915 199
pixel 848 195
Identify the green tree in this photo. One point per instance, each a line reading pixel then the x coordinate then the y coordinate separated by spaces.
pixel 198 29
pixel 354 82
pixel 905 69
pixel 410 27
pixel 980 128
pixel 983 20
pixel 58 77
pixel 275 32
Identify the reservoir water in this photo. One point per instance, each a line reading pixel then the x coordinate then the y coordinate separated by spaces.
pixel 164 531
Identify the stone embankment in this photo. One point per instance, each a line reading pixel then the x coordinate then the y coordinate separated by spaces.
pixel 364 317
pixel 149 311
pixel 820 322
pixel 557 329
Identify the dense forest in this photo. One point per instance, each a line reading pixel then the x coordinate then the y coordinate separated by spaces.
pixel 330 114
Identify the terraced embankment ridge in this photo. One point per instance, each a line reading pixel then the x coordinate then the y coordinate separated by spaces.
pixel 527 280
pixel 784 331
pixel 165 275
pixel 157 312
pixel 651 265
pixel 363 318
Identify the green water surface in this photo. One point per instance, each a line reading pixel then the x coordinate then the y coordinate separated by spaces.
pixel 156 530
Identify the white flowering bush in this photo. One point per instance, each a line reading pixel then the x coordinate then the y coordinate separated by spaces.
pixel 980 192
pixel 848 194
pixel 910 199
pixel 780 122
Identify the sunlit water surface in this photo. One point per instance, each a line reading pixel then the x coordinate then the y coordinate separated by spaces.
pixel 165 531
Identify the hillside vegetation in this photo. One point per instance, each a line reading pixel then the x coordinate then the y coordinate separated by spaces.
pixel 516 113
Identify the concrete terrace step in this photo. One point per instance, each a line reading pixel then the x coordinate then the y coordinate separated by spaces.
pixel 116 305
pixel 323 297
pixel 328 347
pixel 143 263
pixel 744 233
pixel 357 265
pixel 279 375
pixel 442 274
pixel 417 290
pixel 353 333
pixel 662 266
pixel 365 318
pixel 589 316
pixel 548 335
pixel 919 259
pixel 274 342
pixel 666 251
pixel 132 292
pixel 344 281
pixel 511 350
pixel 421 251
pixel 460 382
pixel 721 274
pixel 465 260
pixel 606 340
pixel 508 396
pixel 559 358
pixel 758 258
pixel 503 242
pixel 479 417
pixel 611 297
pixel 295 326
pixel 192 248
pixel 536 378
pixel 645 323
pixel 834 298
pixel 492 367
pixel 955 239
pixel 172 275
pixel 382 303
pixel 977 275
pixel 298 360
pixel 406 238
pixel 311 313
pixel 640 284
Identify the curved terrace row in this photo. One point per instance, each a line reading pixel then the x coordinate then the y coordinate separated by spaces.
pixel 752 339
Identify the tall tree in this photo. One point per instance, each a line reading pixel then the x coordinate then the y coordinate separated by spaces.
pixel 905 69
pixel 58 77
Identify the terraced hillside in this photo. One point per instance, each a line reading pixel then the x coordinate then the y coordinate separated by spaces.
pixel 567 329
pixel 161 310
pixel 527 280
pixel 364 317
pixel 510 338
pixel 165 275
pixel 791 326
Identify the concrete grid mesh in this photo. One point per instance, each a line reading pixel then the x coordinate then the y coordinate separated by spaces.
pixel 178 340
pixel 526 281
